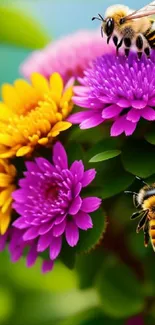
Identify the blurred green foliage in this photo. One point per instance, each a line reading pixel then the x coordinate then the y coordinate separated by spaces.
pixel 20 29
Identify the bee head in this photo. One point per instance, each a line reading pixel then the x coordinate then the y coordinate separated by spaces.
pixel 109 26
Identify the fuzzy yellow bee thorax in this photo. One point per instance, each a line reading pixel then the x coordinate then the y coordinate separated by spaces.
pixel 149 203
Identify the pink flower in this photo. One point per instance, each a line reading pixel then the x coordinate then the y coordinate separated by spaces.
pixel 69 56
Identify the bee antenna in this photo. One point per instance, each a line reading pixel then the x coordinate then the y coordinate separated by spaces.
pixel 98 18
pixel 130 192
pixel 141 180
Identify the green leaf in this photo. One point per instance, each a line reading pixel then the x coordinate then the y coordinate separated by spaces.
pixel 18 28
pixel 93 316
pixel 68 255
pixel 150 137
pixel 75 152
pixel 114 179
pixel 138 158
pixel 105 155
pixel 90 238
pixel 120 291
pixel 104 145
pixel 85 136
pixel 87 267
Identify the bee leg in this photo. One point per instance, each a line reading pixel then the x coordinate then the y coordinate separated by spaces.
pixel 119 45
pixel 127 51
pixel 146 233
pixel 147 51
pixel 142 221
pixel 115 40
pixel 139 45
pixel 136 214
pixel 127 43
pixel 101 31
pixel 108 39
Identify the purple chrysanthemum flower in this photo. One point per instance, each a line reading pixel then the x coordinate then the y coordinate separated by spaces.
pixel 50 204
pixel 117 88
pixel 17 245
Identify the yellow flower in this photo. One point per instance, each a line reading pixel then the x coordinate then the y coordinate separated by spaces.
pixel 32 114
pixel 7 177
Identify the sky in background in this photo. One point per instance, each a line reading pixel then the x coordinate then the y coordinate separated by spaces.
pixel 58 17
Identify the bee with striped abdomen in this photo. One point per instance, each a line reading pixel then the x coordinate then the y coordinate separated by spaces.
pixel 145 201
pixel 130 29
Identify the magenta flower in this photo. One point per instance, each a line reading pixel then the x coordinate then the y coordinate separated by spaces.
pixel 50 205
pixel 16 247
pixel 137 320
pixel 117 88
pixel 69 56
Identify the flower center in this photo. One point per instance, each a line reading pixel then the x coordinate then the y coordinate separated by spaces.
pixel 52 192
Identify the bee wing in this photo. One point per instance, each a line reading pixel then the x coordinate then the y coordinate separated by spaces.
pixel 148 10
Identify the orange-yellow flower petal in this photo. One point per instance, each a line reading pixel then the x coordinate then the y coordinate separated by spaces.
pixel 7 186
pixel 37 113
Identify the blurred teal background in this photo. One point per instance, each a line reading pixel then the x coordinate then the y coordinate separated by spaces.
pixel 58 17
pixel 26 296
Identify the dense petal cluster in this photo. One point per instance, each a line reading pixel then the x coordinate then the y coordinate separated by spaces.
pixel 33 114
pixel 69 56
pixel 7 186
pixel 117 88
pixel 49 204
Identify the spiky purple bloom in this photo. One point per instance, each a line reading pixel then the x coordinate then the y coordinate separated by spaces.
pixel 117 88
pixel 50 205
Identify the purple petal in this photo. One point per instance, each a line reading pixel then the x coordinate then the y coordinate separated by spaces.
pixel 20 195
pixel 3 240
pixel 81 101
pixel 16 254
pixel 123 103
pixel 47 266
pixel 133 115
pixel 148 113
pixel 111 111
pixel 151 102
pixel 77 169
pixel 20 223
pixel 32 256
pixel 55 247
pixel 44 241
pixel 138 104
pixel 19 208
pixel 60 219
pixel 72 233
pixel 32 166
pixel 118 126
pixel 129 128
pixel 88 177
pixel 79 117
pixel 77 189
pixel 45 228
pixel 90 204
pixel 31 233
pixel 59 229
pixel 75 206
pixel 45 165
pixel 83 220
pixel 91 122
pixel 78 90
pixel 60 156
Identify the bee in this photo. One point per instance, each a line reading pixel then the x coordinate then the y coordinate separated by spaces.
pixel 145 201
pixel 130 29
